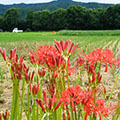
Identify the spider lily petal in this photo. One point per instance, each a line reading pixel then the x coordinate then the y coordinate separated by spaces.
pixel 41 104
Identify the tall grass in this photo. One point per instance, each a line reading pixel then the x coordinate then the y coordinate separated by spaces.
pixel 90 32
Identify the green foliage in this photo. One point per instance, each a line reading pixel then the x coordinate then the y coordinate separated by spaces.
pixel 41 20
pixel 51 6
pixel 58 19
pixel 11 19
pixel 74 17
pixel 1 22
pixel 29 19
pixel 113 17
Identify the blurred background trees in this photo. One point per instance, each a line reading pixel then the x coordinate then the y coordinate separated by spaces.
pixel 74 17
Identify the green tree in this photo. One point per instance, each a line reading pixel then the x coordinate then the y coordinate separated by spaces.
pixel 75 16
pixel 58 19
pixel 41 20
pixel 22 25
pixel 98 19
pixel 29 20
pixel 1 22
pixel 11 19
pixel 113 17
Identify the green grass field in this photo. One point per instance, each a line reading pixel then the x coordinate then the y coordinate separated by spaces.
pixel 91 39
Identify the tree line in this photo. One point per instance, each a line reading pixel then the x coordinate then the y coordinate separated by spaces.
pixel 73 18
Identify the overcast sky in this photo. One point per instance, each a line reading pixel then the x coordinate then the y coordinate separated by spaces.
pixel 41 1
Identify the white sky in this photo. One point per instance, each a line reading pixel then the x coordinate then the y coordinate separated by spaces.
pixel 41 1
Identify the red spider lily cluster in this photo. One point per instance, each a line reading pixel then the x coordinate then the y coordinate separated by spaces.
pixel 34 89
pixel 49 106
pixel 51 69
pixel 103 56
pixel 76 96
pixel 41 55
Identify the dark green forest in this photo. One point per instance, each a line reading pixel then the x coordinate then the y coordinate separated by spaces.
pixel 75 17
pixel 50 6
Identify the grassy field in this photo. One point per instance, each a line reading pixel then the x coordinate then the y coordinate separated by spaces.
pixel 92 39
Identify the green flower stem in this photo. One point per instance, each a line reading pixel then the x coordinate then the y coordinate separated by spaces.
pixel 15 91
pixel 28 102
pixel 72 117
pixel 40 96
pixel 48 117
pixel 17 102
pixel 113 89
pixel 75 114
pixel 59 113
pixel 55 115
pixel 79 117
pixel 61 83
pixel 64 80
pixel 68 81
pixel 37 113
pixel 13 101
pixel 43 116
pixel 79 81
pixel 23 89
pixel 18 92
pixel 33 111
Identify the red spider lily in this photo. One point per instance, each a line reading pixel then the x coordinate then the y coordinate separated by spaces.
pixel 3 53
pixel 91 67
pixel 104 56
pixel 68 116
pixel 12 54
pixel 41 54
pixel 34 89
pixel 55 61
pixel 41 104
pixel 70 68
pixel 118 60
pixel 63 116
pixel 65 48
pixel 5 115
pixel 91 70
pixel 29 76
pixel 24 68
pixel 17 70
pixel 32 59
pixel 41 72
pixel 49 106
pixel 98 108
pixel 0 117
pixel 80 61
pixel 51 90
pixel 99 77
pixel 72 95
pixel 16 65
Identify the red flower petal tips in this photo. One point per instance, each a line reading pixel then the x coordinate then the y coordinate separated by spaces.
pixel 3 53
pixel 103 56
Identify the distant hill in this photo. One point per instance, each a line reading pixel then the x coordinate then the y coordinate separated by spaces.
pixel 51 6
